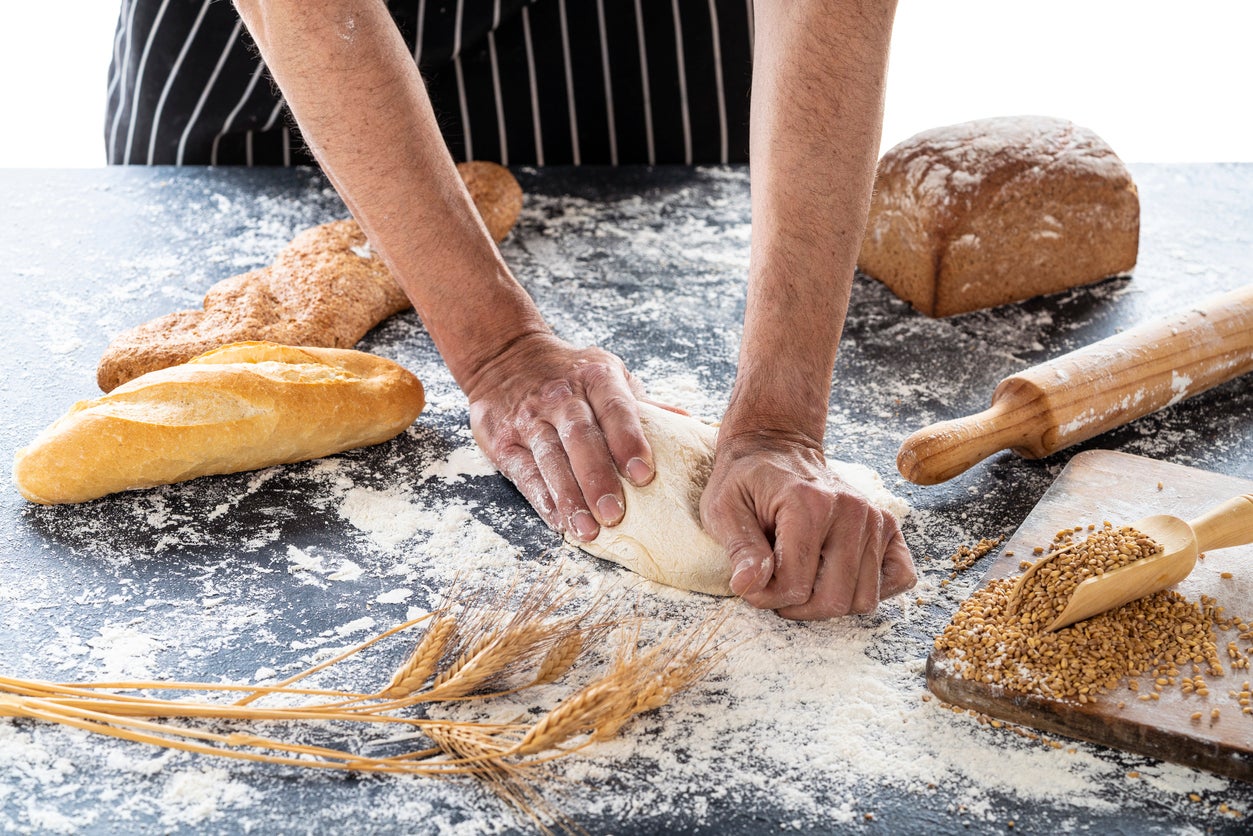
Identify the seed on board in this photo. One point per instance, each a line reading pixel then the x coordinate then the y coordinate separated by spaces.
pixel 1152 638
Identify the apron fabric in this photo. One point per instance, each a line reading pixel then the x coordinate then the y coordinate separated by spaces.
pixel 544 82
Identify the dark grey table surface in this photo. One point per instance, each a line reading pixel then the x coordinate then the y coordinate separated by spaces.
pixel 257 575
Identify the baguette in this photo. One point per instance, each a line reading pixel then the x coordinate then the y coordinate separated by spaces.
pixel 240 407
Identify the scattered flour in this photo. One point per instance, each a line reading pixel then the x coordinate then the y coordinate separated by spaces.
pixel 814 719
pixel 388 518
pixel 203 795
pixel 461 464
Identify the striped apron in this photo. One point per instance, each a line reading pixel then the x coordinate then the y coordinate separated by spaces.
pixel 520 82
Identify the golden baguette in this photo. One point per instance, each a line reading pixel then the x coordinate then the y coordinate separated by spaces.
pixel 239 407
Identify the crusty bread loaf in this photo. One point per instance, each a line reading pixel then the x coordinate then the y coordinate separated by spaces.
pixel 496 194
pixel 240 407
pixel 326 288
pixel 999 210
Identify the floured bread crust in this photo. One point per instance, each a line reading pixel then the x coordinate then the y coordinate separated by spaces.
pixel 326 288
pixel 999 210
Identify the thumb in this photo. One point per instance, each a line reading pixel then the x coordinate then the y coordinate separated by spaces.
pixel 898 574
pixel 752 562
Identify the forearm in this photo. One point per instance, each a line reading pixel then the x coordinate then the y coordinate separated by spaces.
pixel 819 70
pixel 362 108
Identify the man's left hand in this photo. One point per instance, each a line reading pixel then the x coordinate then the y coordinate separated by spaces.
pixel 800 540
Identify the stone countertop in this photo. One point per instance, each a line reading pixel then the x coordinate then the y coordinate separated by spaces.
pixel 258 575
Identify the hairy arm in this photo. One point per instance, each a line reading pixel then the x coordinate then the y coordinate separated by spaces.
pixel 554 418
pixel 799 540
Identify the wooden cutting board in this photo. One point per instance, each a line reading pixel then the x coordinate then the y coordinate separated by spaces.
pixel 1100 485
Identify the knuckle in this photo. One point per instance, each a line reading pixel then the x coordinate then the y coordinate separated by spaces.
pixel 740 549
pixel 555 393
pixel 579 430
pixel 507 460
pixel 614 405
pixel 567 506
pixel 796 595
pixel 525 414
pixel 599 372
pixel 544 448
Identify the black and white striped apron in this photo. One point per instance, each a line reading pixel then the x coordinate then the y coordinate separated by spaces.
pixel 521 82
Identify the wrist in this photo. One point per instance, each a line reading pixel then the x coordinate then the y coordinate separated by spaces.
pixel 476 362
pixel 793 410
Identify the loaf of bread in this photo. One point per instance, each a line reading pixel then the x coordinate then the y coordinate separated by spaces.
pixel 496 194
pixel 999 210
pixel 326 288
pixel 240 407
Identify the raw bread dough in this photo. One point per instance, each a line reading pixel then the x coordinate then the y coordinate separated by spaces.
pixel 660 536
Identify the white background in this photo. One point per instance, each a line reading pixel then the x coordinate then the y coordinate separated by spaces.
pixel 1160 82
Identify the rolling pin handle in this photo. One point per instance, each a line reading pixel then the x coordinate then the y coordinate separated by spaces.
pixel 1229 524
pixel 941 451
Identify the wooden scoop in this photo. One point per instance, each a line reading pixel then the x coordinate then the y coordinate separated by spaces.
pixel 1228 524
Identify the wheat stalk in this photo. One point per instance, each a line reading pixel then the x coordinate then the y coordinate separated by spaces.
pixel 636 682
pixel 423 662
pixel 488 640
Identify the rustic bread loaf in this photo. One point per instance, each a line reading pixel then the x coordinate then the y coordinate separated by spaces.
pixel 240 407
pixel 496 193
pixel 999 210
pixel 326 288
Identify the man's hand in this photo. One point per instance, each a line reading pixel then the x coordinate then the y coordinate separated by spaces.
pixel 556 420
pixel 800 541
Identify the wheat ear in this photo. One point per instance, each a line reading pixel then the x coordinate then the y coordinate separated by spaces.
pixel 422 663
pixel 559 658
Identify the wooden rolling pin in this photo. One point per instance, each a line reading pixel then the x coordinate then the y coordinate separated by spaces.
pixel 1104 385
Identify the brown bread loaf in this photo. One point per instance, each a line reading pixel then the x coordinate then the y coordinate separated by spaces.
pixel 999 210
pixel 240 407
pixel 326 288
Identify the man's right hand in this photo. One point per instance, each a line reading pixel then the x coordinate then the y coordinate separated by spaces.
pixel 562 423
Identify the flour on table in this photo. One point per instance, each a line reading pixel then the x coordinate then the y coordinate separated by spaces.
pixel 461 463
pixel 199 795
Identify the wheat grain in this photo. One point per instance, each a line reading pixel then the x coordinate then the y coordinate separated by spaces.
pixel 575 715
pixel 499 653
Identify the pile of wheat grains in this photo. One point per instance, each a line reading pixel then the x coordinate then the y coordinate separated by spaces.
pixel 1163 636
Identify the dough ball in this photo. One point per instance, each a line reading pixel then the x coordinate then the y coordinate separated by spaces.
pixel 660 536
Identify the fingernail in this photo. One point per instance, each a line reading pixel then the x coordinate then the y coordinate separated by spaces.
pixel 610 508
pixel 798 596
pixel 639 472
pixel 744 574
pixel 584 525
